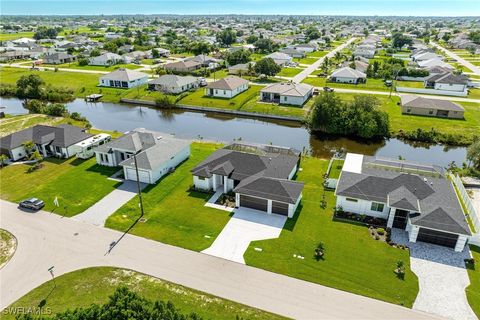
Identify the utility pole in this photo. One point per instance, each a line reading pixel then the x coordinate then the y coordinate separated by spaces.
pixel 138 185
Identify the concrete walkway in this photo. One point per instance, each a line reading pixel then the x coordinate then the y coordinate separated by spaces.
pixel 100 211
pixel 469 65
pixel 314 66
pixel 244 227
pixel 46 240
pixel 442 278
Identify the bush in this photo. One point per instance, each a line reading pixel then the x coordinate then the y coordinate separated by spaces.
pixel 53 109
pixel 83 62
pixel 77 116
pixel 381 231
pixel 165 102
pixel 320 251
pixel 7 90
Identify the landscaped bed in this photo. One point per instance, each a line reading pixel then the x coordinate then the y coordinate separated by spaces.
pixel 8 245
pixel 94 285
pixel 76 183
pixel 175 213
pixel 352 260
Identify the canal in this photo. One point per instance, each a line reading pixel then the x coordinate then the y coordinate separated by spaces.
pixel 224 128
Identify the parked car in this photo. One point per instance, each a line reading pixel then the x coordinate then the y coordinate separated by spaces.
pixel 32 204
pixel 328 89
pixel 388 83
pixel 203 82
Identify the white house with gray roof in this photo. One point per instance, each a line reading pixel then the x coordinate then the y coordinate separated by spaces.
pixel 348 75
pixel 415 197
pixel 123 78
pixel 287 93
pixel 157 154
pixel 227 87
pixel 259 175
pixel 174 84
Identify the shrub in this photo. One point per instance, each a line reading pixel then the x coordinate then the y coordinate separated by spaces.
pixel 381 231
pixel 400 270
pixel 165 102
pixel 320 251
pixel 7 90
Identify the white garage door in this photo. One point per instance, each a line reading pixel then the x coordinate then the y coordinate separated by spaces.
pixel 130 174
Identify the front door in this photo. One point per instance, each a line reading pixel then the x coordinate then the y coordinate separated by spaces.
pixel 400 220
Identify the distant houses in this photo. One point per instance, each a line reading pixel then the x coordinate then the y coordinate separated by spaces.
pixel 59 58
pixel 183 66
pixel 227 87
pixel 106 59
pixel 123 78
pixel 282 59
pixel 348 75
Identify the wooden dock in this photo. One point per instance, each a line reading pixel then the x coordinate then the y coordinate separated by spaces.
pixel 93 97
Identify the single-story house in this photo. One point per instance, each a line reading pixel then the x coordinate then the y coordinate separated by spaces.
pixel 206 61
pixel 447 81
pixel 123 78
pixel 157 154
pixel 425 55
pixel 287 93
pixel 348 75
pixel 227 87
pixel 434 62
pixel 280 58
pixel 364 52
pixel 414 197
pixel 171 83
pixel 106 59
pixel 304 47
pixel 183 66
pixel 411 104
pixel 59 58
pixel 241 68
pixel 49 141
pixel 359 65
pixel 294 53
pixel 259 175
pixel 14 55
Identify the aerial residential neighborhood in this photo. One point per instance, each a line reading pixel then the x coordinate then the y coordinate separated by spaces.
pixel 249 160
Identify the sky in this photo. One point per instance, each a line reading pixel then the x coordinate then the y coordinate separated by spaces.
pixel 293 7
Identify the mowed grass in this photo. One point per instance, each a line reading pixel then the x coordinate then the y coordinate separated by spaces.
pixel 198 98
pixel 473 290
pixel 94 285
pixel 75 65
pixel 77 183
pixel 353 260
pixel 175 214
pixel 14 36
pixel 307 60
pixel 289 72
pixel 336 168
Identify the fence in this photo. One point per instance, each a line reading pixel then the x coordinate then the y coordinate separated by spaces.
pixel 433 91
pixel 471 211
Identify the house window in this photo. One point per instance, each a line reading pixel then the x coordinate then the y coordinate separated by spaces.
pixel 430 111
pixel 351 200
pixel 377 206
pixel 122 156
pixel 201 178
pixel 409 110
pixel 285 99
pixel 58 149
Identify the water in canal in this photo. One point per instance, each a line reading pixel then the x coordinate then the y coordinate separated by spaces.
pixel 224 128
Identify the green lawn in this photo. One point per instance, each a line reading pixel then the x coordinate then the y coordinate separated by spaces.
pixel 77 183
pixel 94 285
pixel 353 260
pixel 8 245
pixel 13 36
pixel 75 65
pixel 289 72
pixel 217 75
pixel 306 60
pixel 175 215
pixel 473 290
pixel 198 98
pixel 15 123
pixel 317 54
pixel 336 169
pixel 257 56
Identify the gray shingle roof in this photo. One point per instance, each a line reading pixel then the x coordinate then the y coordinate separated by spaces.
pixel 171 80
pixel 274 189
pixel 448 78
pixel 125 75
pixel 62 136
pixel 227 83
pixel 433 197
pixel 427 103
pixel 289 89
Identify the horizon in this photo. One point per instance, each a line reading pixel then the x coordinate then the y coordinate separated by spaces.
pixel 344 8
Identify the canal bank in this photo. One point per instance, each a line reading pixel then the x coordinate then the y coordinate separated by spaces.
pixel 226 127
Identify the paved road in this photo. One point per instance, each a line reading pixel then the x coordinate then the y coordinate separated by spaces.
pixel 46 240
pixel 469 65
pixel 314 66
pixel 386 93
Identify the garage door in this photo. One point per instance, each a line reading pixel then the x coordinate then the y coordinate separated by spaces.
pixel 253 203
pixel 280 208
pixel 437 237
pixel 130 174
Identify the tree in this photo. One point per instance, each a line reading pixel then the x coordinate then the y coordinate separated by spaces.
pixel 45 33
pixel 312 33
pixel 446 37
pixel 251 39
pixel 473 154
pixel 155 54
pixel 236 57
pixel 472 50
pixel 29 146
pixel 426 40
pixel 110 46
pixel 95 52
pixel 267 66
pixel 264 45
pixel 474 36
pixel 399 40
pixel 200 48
pixel 37 157
pixel 3 159
pixel 29 87
pixel 227 36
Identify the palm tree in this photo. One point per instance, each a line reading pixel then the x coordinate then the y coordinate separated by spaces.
pixel 29 146
pixel 3 159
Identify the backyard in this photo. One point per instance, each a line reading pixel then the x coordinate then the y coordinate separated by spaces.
pixel 78 184
pixel 353 260
pixel 175 214
pixel 94 285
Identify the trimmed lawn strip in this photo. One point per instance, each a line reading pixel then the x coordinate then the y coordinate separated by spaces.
pixel 175 214
pixel 75 65
pixel 77 183
pixel 8 245
pixel 289 72
pixel 198 98
pixel 84 287
pixel 306 60
pixel 336 168
pixel 353 260
pixel 473 290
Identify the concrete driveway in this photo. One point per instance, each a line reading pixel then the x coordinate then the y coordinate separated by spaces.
pixel 442 278
pixel 244 227
pixel 100 211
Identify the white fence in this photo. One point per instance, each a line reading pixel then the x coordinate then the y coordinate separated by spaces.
pixel 471 211
pixel 433 91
